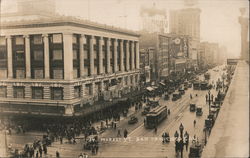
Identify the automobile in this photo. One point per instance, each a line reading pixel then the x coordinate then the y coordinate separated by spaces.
pixel 133 120
pixel 166 97
pixel 181 91
pixel 176 96
pixel 192 107
pixel 171 90
pixel 195 150
pixel 208 123
pixel 199 111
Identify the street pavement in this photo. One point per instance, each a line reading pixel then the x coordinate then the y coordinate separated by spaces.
pixel 230 134
pixel 141 142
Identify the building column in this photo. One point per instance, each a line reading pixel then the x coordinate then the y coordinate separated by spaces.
pixel 102 85
pixel 46 92
pixel 68 92
pixel 127 56
pixel 68 56
pixel 46 56
pixel 27 91
pixel 137 55
pixel 93 89
pixel 27 56
pixel 91 54
pixel 132 56
pixel 108 55
pixel 100 55
pixel 121 56
pixel 115 55
pixel 10 91
pixel 82 90
pixel 81 48
pixel 9 54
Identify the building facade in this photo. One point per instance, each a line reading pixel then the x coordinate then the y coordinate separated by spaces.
pixel 187 22
pixel 170 53
pixel 56 65
pixel 153 20
pixel 209 54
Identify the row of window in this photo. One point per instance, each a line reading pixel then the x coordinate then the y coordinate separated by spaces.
pixel 35 39
pixel 38 92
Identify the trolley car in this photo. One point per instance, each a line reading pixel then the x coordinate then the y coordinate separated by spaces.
pixel 156 116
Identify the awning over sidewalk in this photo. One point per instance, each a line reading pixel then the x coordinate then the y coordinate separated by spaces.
pixel 150 89
pixel 163 84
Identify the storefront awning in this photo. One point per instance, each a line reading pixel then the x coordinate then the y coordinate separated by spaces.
pixel 150 89
pixel 162 83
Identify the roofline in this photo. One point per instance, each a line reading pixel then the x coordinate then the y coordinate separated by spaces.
pixel 65 21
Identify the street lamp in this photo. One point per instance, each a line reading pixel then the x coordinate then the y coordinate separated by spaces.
pixel 209 100
pixel 181 128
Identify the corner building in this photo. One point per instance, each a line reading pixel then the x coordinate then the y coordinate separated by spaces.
pixel 57 65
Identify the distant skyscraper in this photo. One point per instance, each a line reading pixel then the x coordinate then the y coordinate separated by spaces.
pixel 186 22
pixel 154 20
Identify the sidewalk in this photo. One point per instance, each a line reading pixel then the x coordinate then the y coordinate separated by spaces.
pixel 230 135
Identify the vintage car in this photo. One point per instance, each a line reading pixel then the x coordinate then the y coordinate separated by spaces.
pixel 166 97
pixel 171 90
pixel 209 123
pixel 195 151
pixel 181 91
pixel 176 96
pixel 133 120
pixel 192 107
pixel 199 111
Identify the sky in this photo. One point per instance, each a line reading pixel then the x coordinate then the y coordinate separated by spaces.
pixel 219 18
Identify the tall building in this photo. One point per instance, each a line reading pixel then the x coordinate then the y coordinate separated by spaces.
pixel 187 22
pixel 209 54
pixel 170 53
pixel 55 65
pixel 153 20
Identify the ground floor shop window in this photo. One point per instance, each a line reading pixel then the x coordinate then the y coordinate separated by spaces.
pixel 37 92
pixel 56 93
pixel 18 92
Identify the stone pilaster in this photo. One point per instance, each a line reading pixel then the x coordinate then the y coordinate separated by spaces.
pixel 132 56
pixel 46 92
pixel 27 92
pixel 127 56
pixel 115 55
pixel 108 55
pixel 46 56
pixel 81 48
pixel 9 54
pixel 27 56
pixel 137 55
pixel 68 56
pixel 91 54
pixel 100 55
pixel 68 92
pixel 10 91
pixel 121 56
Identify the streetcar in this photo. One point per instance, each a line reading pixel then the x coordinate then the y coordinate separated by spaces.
pixel 196 85
pixel 207 76
pixel 156 116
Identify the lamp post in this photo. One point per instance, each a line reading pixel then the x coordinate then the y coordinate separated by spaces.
pixel 209 101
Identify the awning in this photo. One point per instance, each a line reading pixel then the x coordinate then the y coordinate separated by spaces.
pixel 162 83
pixel 150 89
